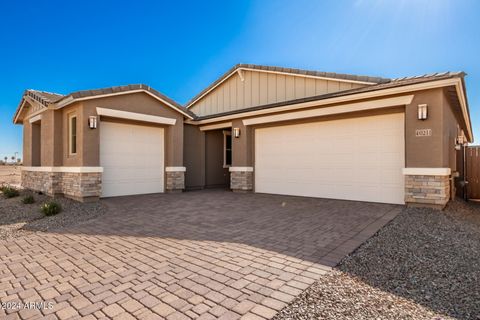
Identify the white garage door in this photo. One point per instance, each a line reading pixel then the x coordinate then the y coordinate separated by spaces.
pixel 132 159
pixel 353 159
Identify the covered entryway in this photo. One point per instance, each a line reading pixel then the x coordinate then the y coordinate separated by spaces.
pixel 132 157
pixel 352 159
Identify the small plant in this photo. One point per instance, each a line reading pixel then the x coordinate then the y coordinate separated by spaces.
pixel 51 208
pixel 28 199
pixel 9 192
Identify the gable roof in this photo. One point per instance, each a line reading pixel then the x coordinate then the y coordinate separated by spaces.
pixel 367 80
pixel 375 84
pixel 390 84
pixel 387 85
pixel 43 97
pixel 59 100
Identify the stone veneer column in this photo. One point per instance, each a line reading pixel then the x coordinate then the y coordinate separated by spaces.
pixel 78 183
pixel 175 179
pixel 427 187
pixel 49 183
pixel 241 179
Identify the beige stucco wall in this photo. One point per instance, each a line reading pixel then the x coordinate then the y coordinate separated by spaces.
pixel 134 102
pixel 27 144
pixel 424 152
pixel 72 160
pixel 47 137
pixel 260 88
pixel 58 134
pixel 437 151
pixel 54 131
pixel 242 147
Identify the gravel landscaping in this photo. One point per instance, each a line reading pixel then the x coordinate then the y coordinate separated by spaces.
pixel 425 264
pixel 17 218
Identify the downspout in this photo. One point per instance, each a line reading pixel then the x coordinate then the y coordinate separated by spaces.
pixel 464 164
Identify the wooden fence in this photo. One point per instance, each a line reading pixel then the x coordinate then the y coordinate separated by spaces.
pixel 472 172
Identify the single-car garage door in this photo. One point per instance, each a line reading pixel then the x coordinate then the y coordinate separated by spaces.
pixel 353 159
pixel 132 159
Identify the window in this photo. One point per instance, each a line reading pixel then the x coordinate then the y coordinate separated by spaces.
pixel 72 134
pixel 227 149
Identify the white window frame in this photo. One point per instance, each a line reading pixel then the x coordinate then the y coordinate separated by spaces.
pixel 226 134
pixel 70 134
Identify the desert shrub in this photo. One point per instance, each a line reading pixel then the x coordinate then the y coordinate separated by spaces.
pixel 51 208
pixel 28 199
pixel 9 192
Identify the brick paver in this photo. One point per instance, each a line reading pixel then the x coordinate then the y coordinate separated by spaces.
pixel 204 254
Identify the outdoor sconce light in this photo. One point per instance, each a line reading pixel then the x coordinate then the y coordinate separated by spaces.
pixel 422 112
pixel 92 122
pixel 459 142
pixel 236 132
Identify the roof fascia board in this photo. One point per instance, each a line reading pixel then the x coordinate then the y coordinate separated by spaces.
pixel 35 118
pixel 427 171
pixel 357 96
pixel 135 116
pixel 276 72
pixel 31 101
pixel 64 169
pixel 463 104
pixel 19 111
pixel 215 126
pixel 344 108
pixel 310 76
pixel 71 100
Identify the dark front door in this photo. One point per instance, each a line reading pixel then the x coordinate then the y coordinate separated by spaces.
pixel 216 173
pixel 472 157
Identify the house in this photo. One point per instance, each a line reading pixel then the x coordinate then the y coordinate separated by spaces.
pixel 256 128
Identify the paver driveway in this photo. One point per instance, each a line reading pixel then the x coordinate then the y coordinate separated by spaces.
pixel 205 254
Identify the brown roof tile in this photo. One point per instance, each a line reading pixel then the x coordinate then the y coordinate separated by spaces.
pixel 46 98
pixel 43 97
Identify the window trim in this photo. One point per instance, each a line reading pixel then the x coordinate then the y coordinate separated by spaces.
pixel 226 134
pixel 71 135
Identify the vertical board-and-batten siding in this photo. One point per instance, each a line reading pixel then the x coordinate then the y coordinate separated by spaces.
pixel 260 88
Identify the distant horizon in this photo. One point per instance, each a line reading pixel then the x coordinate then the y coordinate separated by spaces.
pixel 180 49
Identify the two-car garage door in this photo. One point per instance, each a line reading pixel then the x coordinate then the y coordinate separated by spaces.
pixel 132 157
pixel 354 159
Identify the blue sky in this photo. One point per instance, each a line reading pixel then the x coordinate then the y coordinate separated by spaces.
pixel 179 47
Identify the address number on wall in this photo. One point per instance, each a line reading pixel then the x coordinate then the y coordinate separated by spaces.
pixel 423 132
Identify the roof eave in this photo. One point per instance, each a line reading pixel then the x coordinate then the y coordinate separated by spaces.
pixel 333 99
pixel 18 111
pixel 289 71
pixel 69 99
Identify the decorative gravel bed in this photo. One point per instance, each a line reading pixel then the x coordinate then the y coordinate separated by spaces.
pixel 17 219
pixel 425 264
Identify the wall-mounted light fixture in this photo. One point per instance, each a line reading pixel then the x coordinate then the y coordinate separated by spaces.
pixel 236 132
pixel 92 122
pixel 422 112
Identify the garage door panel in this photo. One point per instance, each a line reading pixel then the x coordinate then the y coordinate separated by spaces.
pixel 132 158
pixel 354 159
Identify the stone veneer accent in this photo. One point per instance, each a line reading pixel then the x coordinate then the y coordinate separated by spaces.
pixel 241 180
pixel 77 185
pixel 175 180
pixel 427 190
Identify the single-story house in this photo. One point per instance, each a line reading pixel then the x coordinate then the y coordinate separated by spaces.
pixel 257 128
